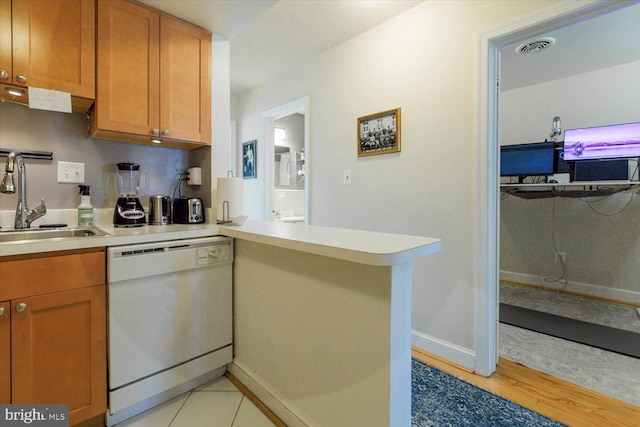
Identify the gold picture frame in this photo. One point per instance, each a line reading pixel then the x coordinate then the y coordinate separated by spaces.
pixel 379 133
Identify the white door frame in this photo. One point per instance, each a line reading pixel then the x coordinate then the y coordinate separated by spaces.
pixel 487 219
pixel 301 106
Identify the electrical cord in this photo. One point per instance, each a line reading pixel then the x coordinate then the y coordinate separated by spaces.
pixel 562 278
pixel 182 177
pixel 589 203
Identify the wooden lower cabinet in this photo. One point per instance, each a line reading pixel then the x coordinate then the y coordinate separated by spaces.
pixel 57 340
pixel 5 353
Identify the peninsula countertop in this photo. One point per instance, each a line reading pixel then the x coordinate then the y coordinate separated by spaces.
pixel 364 247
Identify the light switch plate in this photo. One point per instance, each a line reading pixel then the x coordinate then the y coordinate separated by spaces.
pixel 347 177
pixel 70 173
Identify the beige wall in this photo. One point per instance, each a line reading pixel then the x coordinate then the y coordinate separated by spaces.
pixel 316 331
pixel 424 61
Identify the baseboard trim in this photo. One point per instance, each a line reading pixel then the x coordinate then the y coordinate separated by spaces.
pixel 613 294
pixel 253 398
pixel 443 349
pixel 282 407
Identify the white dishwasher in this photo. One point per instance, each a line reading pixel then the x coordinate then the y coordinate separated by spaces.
pixel 170 320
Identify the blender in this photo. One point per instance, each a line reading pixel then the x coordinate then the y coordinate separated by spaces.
pixel 129 211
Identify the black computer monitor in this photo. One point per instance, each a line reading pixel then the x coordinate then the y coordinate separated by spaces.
pixel 522 160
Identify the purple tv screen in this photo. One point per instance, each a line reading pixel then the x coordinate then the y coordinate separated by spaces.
pixel 603 142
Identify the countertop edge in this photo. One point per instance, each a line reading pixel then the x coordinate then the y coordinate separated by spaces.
pixel 363 247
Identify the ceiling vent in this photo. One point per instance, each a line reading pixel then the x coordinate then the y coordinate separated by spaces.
pixel 535 46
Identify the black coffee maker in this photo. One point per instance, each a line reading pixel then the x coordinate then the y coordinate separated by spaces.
pixel 129 212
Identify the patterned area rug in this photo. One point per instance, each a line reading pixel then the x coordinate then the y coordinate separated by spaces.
pixel 439 399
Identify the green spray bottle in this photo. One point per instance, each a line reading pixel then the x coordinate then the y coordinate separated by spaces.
pixel 85 210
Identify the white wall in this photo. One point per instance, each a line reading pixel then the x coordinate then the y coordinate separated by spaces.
pixel 602 250
pixel 424 61
pixel 602 97
pixel 221 159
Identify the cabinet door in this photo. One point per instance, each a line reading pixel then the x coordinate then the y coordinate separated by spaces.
pixel 54 45
pixel 5 353
pixel 5 41
pixel 185 81
pixel 59 351
pixel 128 61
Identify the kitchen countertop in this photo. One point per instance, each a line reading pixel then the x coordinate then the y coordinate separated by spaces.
pixel 363 247
pixel 115 237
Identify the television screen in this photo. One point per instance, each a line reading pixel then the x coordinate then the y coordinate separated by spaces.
pixel 527 159
pixel 602 142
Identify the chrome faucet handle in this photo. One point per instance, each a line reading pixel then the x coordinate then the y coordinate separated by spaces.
pixel 36 213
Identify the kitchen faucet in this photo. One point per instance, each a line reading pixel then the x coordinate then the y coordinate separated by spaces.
pixel 24 216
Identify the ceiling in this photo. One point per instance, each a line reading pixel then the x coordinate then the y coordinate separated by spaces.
pixel 601 42
pixel 269 36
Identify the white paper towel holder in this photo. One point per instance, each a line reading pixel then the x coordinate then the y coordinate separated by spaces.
pixel 225 214
pixel 225 207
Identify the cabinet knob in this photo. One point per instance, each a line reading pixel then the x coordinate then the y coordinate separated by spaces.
pixel 1 311
pixel 155 131
pixel 21 307
pixel 21 79
pixel 3 75
pixel 165 132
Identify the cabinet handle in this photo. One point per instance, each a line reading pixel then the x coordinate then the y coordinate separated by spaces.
pixel 21 307
pixel 165 132
pixel 1 311
pixel 21 79
pixel 4 75
pixel 155 131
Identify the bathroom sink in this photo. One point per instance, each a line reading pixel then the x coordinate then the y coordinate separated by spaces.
pixel 20 235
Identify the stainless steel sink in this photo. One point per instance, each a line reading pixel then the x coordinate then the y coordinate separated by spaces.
pixel 19 235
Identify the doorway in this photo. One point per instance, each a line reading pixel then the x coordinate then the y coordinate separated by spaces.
pixel 487 183
pixel 286 162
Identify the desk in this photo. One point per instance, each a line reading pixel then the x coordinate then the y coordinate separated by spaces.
pixel 576 189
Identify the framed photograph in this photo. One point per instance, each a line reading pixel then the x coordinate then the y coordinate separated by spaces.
pixel 379 133
pixel 249 159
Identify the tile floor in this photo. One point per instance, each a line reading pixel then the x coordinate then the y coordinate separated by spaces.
pixel 605 372
pixel 216 404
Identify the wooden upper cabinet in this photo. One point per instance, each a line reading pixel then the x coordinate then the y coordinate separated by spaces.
pixel 53 45
pixel 185 81
pixel 128 61
pixel 154 77
pixel 6 67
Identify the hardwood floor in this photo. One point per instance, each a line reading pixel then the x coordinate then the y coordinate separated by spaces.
pixel 550 396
